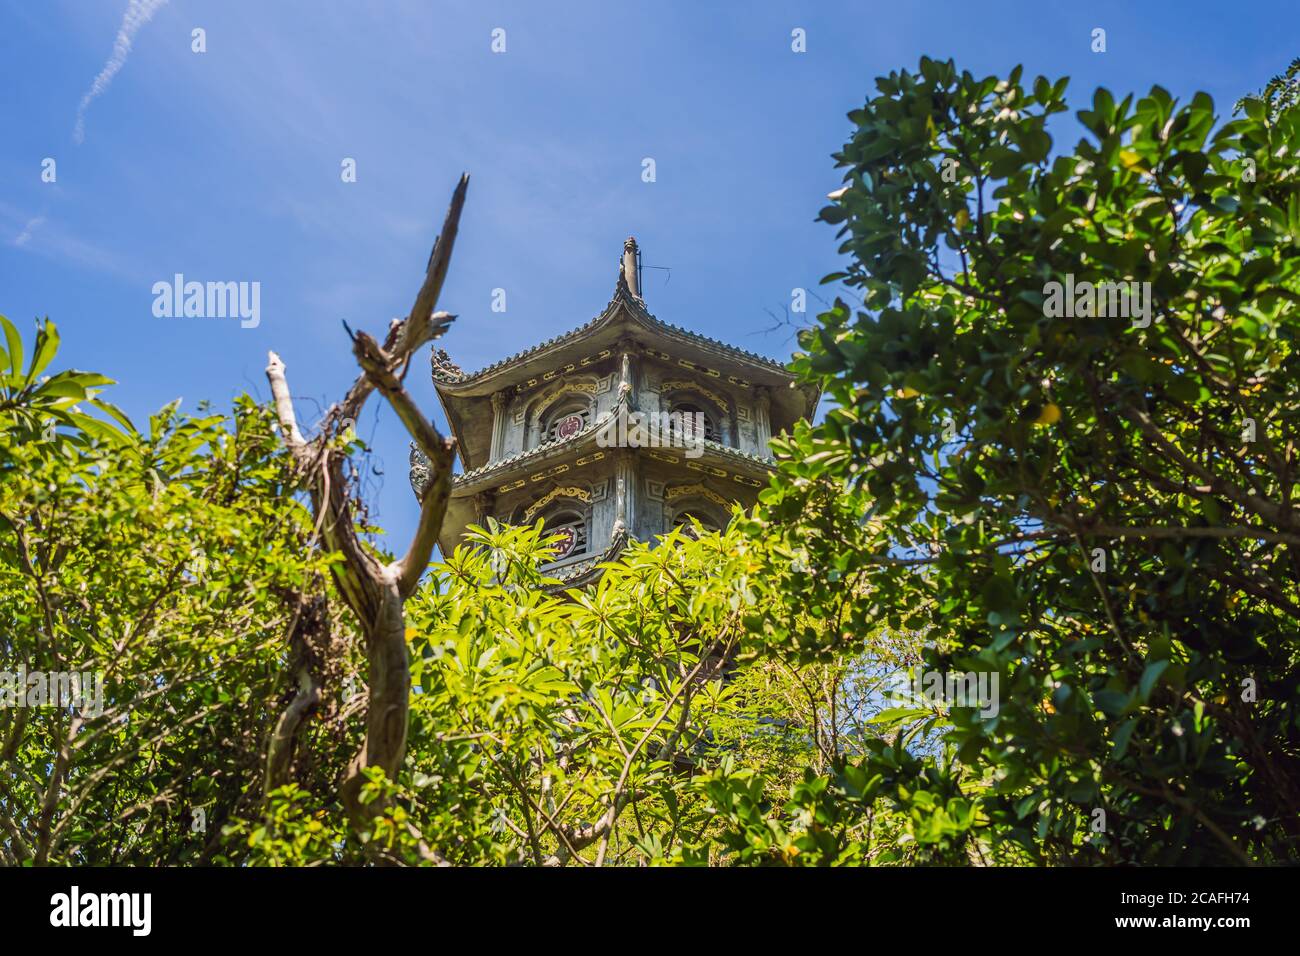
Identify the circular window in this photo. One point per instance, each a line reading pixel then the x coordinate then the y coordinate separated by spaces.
pixel 566 538
pixel 568 426
pixel 567 422
pixel 568 534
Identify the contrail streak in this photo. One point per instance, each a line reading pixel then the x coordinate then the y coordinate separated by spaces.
pixel 138 13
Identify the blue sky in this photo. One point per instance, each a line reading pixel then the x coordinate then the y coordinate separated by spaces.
pixel 225 165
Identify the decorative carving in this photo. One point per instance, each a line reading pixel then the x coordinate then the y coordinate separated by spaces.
pixel 532 383
pixel 420 472
pixel 682 385
pixel 549 473
pixel 563 370
pixel 627 372
pixel 443 366
pixel 697 489
pixel 499 399
pixel 549 397
pixel 624 511
pixel 696 367
pixel 654 490
pixel 629 268
pixel 568 491
pixel 568 426
pixel 709 469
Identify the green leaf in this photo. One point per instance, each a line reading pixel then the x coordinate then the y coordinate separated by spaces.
pixel 1149 677
pixel 47 344
pixel 14 343
pixel 116 413
pixel 1119 743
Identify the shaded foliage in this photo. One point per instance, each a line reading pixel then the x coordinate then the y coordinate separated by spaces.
pixel 1094 508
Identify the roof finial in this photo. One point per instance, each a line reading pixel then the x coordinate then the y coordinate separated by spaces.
pixel 629 270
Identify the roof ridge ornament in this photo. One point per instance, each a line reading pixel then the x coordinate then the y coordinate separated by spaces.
pixel 443 366
pixel 629 272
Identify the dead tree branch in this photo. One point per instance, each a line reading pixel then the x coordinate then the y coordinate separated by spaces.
pixel 376 591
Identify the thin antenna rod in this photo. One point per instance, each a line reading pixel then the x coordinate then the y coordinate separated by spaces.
pixel 667 269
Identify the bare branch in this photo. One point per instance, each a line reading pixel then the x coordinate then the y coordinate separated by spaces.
pixel 440 451
pixel 283 403
pixel 434 275
pixel 375 592
pixel 422 325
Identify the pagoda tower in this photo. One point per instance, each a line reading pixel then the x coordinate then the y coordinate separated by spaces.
pixel 542 434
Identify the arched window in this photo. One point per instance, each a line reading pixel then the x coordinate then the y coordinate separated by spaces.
pixel 572 528
pixel 566 419
pixel 692 422
pixel 686 518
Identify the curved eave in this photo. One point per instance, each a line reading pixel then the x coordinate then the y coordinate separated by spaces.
pixel 479 479
pixel 550 354
pixel 474 480
pixel 755 468
pixel 482 479
pixel 457 428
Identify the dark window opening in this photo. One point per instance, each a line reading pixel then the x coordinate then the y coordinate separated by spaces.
pixel 572 531
pixel 686 419
pixel 683 521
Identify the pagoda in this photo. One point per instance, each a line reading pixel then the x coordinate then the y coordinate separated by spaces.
pixel 544 434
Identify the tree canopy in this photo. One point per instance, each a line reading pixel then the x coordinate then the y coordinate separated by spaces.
pixel 1094 503
pixel 1060 457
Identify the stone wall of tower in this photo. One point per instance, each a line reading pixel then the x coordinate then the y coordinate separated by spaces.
pixel 738 411
pixel 592 489
pixel 525 407
pixel 524 458
pixel 644 490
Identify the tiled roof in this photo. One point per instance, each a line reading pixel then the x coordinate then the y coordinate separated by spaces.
pixel 621 294
pixel 419 462
pixel 540 449
pixel 501 464
pixel 765 460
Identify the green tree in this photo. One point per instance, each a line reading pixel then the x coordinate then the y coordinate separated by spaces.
pixel 153 563
pixel 1091 500
pixel 644 721
pixel 1279 94
pixel 548 728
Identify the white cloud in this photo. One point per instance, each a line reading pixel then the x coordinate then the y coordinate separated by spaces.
pixel 25 236
pixel 138 13
pixel 42 236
